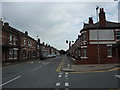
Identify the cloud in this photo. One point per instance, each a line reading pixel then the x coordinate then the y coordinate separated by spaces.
pixel 54 22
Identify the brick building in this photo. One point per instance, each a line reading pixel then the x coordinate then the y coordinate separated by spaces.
pixel 104 35
pixel 18 46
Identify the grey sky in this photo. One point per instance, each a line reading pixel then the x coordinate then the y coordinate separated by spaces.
pixel 54 23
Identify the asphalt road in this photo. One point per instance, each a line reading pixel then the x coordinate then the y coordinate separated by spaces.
pixel 42 74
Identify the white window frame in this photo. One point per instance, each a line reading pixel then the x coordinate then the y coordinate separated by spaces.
pixel 15 54
pixel 24 41
pixel 109 52
pixel 14 40
pixel 10 38
pixel 10 53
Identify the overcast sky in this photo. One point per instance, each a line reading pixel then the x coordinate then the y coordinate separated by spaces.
pixel 54 23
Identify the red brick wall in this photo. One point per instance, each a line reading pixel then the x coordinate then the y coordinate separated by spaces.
pixel 92 53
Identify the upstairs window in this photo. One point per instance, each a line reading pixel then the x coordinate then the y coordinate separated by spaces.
pixel 117 35
pixel 29 43
pixel 24 41
pixel 14 41
pixel 10 38
pixel 84 37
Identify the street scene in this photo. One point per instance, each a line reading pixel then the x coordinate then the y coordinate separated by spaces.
pixel 51 74
pixel 60 45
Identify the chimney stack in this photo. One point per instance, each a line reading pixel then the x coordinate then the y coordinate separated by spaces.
pixel 90 20
pixel 6 24
pixel 26 33
pixel 102 18
pixel 38 40
pixel 43 43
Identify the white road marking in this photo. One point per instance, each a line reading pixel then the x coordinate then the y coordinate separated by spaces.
pixel 60 76
pixel 117 76
pixel 10 81
pixel 66 75
pixel 60 73
pixel 66 84
pixel 36 68
pixel 58 84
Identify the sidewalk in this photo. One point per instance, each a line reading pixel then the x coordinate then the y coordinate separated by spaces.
pixel 88 67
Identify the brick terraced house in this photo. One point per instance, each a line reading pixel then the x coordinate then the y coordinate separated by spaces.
pixel 18 46
pixel 103 34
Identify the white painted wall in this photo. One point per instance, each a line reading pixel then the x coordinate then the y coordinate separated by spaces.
pixel 103 34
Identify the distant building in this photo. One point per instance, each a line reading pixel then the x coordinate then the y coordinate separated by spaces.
pixel 85 48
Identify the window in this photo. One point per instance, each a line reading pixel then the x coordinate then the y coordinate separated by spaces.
pixel 38 46
pixel 24 41
pixel 29 43
pixel 84 52
pixel 117 35
pixel 10 53
pixel 84 37
pixel 15 54
pixel 24 53
pixel 33 53
pixel 14 41
pixel 10 39
pixel 109 51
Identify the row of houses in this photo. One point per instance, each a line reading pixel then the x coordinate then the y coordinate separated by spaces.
pixel 18 46
pixel 98 42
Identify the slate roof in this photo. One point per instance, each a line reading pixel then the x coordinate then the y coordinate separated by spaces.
pixel 109 25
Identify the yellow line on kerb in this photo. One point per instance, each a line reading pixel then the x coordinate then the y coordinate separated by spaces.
pixel 60 65
pixel 113 69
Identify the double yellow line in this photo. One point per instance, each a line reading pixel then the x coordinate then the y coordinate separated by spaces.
pixel 60 65
pixel 113 69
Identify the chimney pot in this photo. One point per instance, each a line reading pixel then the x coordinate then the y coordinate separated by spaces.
pixel 90 20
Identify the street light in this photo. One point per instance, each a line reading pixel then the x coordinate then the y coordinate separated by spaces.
pixel 69 43
pixel 98 35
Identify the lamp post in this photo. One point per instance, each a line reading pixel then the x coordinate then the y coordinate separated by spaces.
pixel 97 8
pixel 69 43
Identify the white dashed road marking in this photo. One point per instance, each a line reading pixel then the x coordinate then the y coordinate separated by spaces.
pixel 60 76
pixel 66 75
pixel 66 84
pixel 60 73
pixel 10 81
pixel 36 68
pixel 58 84
pixel 117 76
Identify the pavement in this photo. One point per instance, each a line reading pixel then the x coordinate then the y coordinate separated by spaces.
pixel 69 67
